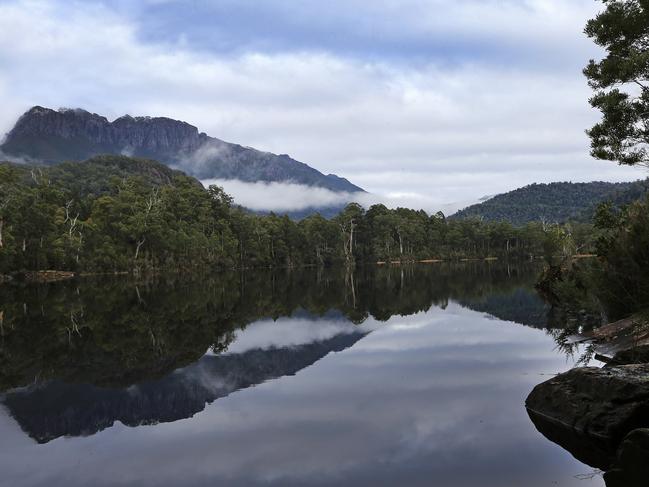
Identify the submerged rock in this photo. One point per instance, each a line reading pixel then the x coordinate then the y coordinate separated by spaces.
pixel 590 410
pixel 631 468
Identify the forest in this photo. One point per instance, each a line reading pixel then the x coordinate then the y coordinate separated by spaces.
pixel 554 202
pixel 118 214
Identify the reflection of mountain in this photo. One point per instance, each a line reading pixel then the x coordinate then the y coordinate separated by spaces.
pixel 522 305
pixel 87 342
pixel 118 332
pixel 56 409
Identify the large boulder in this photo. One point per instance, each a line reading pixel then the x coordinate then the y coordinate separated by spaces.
pixel 590 410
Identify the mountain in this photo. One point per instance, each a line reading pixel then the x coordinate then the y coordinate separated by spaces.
pixel 53 136
pixel 554 202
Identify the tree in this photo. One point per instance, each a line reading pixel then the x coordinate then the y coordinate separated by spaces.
pixel 621 82
pixel 348 220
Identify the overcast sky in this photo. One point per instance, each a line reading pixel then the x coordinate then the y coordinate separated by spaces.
pixel 418 101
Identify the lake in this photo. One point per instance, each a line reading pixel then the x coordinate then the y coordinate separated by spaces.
pixel 393 375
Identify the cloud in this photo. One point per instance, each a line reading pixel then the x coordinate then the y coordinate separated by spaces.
pixel 16 159
pixel 280 197
pixel 492 99
pixel 287 197
pixel 199 160
pixel 529 31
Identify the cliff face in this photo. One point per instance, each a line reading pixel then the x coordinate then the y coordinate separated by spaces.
pixel 53 136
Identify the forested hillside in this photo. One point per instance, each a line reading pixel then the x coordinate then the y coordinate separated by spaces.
pixel 114 213
pixel 554 202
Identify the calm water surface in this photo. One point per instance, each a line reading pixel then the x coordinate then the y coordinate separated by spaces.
pixel 387 376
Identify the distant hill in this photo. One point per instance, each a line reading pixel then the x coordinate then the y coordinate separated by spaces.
pixel 52 136
pixel 554 202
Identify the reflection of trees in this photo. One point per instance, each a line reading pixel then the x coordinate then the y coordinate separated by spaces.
pixel 116 332
pixel 56 409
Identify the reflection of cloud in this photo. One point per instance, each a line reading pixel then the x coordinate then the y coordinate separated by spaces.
pixel 436 395
pixel 286 196
pixel 289 332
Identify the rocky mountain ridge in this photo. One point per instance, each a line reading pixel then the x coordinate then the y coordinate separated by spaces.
pixel 53 136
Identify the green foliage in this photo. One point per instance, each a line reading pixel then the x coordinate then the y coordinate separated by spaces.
pixel 621 280
pixel 615 284
pixel 620 81
pixel 553 203
pixel 116 214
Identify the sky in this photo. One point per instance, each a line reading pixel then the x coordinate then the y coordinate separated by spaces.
pixel 423 103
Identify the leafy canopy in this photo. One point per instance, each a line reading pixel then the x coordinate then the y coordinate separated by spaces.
pixel 621 82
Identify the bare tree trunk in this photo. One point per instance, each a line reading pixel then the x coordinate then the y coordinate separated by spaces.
pixel 2 224
pixel 352 286
pixel 139 245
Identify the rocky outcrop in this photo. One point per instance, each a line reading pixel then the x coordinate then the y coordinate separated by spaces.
pixel 53 136
pixel 602 403
pixel 589 410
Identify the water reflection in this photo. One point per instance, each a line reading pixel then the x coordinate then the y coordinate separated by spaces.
pixel 427 388
pixel 116 333
pixel 55 409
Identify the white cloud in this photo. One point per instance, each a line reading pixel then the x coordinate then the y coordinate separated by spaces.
pixel 425 131
pixel 280 197
pixel 284 197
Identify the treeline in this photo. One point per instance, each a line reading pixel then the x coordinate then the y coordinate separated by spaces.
pixel 112 214
pixel 554 202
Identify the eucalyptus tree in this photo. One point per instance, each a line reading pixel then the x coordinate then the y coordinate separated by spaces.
pixel 621 82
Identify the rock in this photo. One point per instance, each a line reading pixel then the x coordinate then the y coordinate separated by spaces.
pixel 631 468
pixel 589 410
pixel 53 136
pixel 635 355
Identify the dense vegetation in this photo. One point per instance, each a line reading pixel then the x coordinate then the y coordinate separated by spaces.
pixel 617 284
pixel 114 213
pixel 554 202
